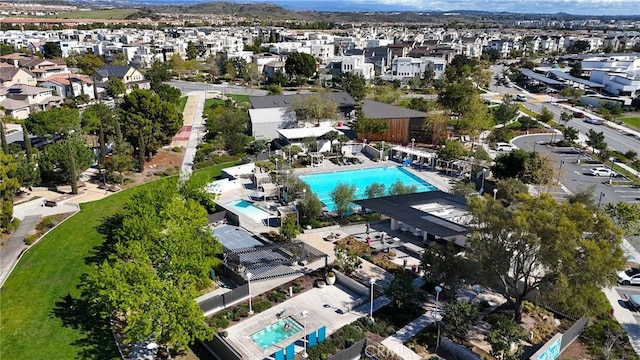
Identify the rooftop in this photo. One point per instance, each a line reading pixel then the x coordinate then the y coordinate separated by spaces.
pixel 436 212
pixel 377 110
pixel 278 101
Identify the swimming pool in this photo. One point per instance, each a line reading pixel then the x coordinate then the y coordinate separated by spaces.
pixel 276 332
pixel 248 209
pixel 323 184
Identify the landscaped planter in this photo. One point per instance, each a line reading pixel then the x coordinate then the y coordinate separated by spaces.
pixel 330 278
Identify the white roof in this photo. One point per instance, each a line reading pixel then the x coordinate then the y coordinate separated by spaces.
pixel 270 115
pixel 301 133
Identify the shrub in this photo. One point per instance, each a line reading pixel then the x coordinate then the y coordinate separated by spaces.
pixel 220 321
pixel 296 289
pixel 367 257
pixel 277 296
pixel 30 239
pixel 331 274
pixel 176 149
pixel 262 305
pixel 241 311
pixel 46 223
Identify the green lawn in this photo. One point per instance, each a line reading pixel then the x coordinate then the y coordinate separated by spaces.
pixel 631 121
pixel 238 98
pixel 35 323
pixel 107 14
pixel 527 111
pixel 182 103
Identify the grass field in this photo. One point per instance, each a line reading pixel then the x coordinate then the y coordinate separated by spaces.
pixel 527 111
pixel 108 14
pixel 631 121
pixel 35 322
pixel 182 103
pixel 238 98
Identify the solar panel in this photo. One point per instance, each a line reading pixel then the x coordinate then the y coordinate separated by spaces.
pixel 232 237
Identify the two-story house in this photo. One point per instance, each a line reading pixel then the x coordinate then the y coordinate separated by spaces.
pixel 10 75
pixel 130 76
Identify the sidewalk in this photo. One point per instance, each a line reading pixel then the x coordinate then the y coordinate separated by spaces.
pixel 10 252
pixel 197 129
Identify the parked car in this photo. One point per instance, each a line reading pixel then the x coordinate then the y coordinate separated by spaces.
pixel 633 302
pixel 602 171
pixel 579 115
pixel 503 146
pixel 520 98
pixel 593 121
pixel 629 277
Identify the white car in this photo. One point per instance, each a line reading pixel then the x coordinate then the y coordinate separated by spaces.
pixel 594 121
pixel 629 277
pixel 504 146
pixel 521 98
pixel 601 171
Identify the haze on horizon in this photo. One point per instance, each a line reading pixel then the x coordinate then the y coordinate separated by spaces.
pixel 576 7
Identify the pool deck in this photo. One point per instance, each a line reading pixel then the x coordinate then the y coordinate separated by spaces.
pixel 322 305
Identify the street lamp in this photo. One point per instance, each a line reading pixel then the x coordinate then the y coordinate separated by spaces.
pixel 495 192
pixel 438 289
pixel 372 281
pixel 600 200
pixel 484 171
pixel 413 142
pixel 269 147
pixel 303 314
pixel 560 170
pixel 249 275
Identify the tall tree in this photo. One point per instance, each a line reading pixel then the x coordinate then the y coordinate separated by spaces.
pixel 148 122
pixel 457 96
pixel 506 111
pixel 371 129
pixel 436 124
pixel 28 149
pixel 375 190
pixel 398 188
pixel 230 127
pixel 354 84
pixel 87 63
pixel 3 137
pixel 445 264
pixel 626 216
pixel 545 115
pixel 540 243
pixel 576 69
pixel 51 50
pixel 309 208
pixel 595 139
pixel 314 107
pixel 476 119
pixel 302 64
pixel 57 160
pixel 115 87
pixel 458 318
pixel 401 291
pixel 71 166
pixel 57 121
pixel 8 185
pixel 158 73
pixel 289 228
pixel 504 333
pixel 98 119
pixel 192 51
pixel 343 195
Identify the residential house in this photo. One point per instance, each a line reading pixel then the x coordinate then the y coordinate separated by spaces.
pixel 10 76
pixel 270 69
pixel 70 85
pixel 22 100
pixel 130 76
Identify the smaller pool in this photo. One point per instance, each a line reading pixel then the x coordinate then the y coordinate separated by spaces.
pixel 248 209
pixel 276 332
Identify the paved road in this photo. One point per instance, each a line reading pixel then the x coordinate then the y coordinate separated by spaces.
pixel 616 139
pixel 575 176
pixel 15 246
pixel 187 86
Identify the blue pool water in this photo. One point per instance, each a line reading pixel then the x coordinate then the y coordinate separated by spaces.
pixel 323 184
pixel 275 333
pixel 248 209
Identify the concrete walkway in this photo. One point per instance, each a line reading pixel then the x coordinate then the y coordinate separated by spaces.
pixel 10 252
pixel 195 110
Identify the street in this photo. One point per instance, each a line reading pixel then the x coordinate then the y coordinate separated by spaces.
pixel 616 139
pixel 575 177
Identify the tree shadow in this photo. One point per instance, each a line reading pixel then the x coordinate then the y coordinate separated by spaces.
pixel 97 341
pixel 109 228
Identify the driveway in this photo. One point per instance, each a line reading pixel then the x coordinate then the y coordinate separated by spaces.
pixel 11 251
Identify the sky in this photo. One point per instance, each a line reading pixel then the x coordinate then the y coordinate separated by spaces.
pixel 578 7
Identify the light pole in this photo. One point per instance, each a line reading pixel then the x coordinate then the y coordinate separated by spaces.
pixel 413 142
pixel 249 275
pixel 269 147
pixel 560 170
pixel 382 152
pixel 495 192
pixel 303 314
pixel 484 171
pixel 600 200
pixel 372 281
pixel 308 241
pixel 438 289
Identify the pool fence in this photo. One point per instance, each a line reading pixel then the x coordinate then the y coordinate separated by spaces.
pixel 216 303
